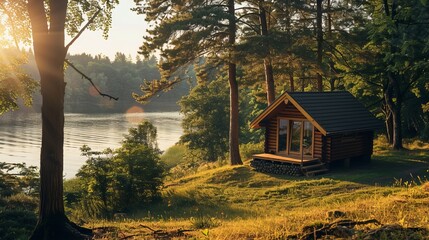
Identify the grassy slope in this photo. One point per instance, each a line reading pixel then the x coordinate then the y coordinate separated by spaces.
pixel 239 203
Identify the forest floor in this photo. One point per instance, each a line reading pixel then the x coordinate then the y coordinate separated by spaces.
pixel 387 199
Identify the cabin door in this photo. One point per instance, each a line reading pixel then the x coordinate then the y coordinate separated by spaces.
pixel 282 138
pixel 295 137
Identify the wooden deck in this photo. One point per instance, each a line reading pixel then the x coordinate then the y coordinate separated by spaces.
pixel 280 158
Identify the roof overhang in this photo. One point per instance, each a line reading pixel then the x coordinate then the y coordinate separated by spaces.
pixel 286 98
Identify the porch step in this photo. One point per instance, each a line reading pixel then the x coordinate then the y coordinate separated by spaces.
pixel 315 168
pixel 316 172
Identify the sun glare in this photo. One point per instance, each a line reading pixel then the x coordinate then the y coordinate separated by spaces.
pixel 132 114
pixel 92 91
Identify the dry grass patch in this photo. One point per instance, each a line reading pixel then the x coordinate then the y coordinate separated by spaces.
pixel 239 203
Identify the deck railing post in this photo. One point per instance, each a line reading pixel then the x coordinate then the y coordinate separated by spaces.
pixel 302 158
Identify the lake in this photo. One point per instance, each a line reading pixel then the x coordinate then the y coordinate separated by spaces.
pixel 20 134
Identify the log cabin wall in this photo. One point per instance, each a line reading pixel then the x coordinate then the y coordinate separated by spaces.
pixel 291 112
pixel 339 147
pixel 318 144
pixel 271 136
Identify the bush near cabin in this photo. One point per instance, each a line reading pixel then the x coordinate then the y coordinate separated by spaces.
pixel 18 200
pixel 117 180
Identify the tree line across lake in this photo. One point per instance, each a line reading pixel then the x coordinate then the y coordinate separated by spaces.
pixel 119 77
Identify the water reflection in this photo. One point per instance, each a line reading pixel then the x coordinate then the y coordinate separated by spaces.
pixel 20 134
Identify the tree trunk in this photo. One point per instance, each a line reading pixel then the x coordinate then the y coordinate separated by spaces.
pixel 49 52
pixel 319 36
pixel 269 76
pixel 329 36
pixel 234 151
pixel 292 82
pixel 388 121
pixel 397 127
pixel 395 109
pixel 269 80
pixel 397 114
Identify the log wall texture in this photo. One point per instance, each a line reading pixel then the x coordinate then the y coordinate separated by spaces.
pixel 339 147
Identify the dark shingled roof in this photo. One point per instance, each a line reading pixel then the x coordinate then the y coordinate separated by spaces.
pixel 332 112
pixel 336 112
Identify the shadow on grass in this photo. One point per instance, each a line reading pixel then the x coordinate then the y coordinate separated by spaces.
pixel 385 168
pixel 240 192
pixel 190 209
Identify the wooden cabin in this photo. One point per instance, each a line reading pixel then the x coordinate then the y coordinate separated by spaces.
pixel 306 131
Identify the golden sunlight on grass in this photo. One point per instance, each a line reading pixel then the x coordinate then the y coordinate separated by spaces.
pixel 407 207
pixel 416 144
pixel 239 203
pixel 236 202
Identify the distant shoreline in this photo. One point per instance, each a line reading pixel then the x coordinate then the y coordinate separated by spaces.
pixel 150 108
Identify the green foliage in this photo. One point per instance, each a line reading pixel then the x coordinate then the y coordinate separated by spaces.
pixel 138 176
pixel 203 222
pixel 385 64
pixel 143 134
pixel 15 84
pixel 247 150
pixel 173 156
pixel 250 108
pixel 206 117
pixel 119 77
pixel 118 180
pixel 16 224
pixel 18 178
pixel 18 200
pixel 22 201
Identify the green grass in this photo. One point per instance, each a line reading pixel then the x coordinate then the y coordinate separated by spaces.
pixel 173 156
pixel 248 204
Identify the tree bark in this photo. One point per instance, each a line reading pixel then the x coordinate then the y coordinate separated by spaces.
pixel 388 122
pixel 268 67
pixel 397 127
pixel 319 36
pixel 234 151
pixel 393 88
pixel 395 109
pixel 329 36
pixel 50 53
pixel 397 114
pixel 292 82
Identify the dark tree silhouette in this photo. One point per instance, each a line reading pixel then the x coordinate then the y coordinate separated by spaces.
pixel 47 26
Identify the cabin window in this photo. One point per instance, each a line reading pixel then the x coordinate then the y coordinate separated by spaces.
pixel 295 137
pixel 282 138
pixel 307 140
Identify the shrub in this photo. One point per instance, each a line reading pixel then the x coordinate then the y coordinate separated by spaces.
pixel 17 200
pixel 117 180
pixel 137 177
pixel 203 222
pixel 247 150
pixel 16 223
pixel 22 201
pixel 173 156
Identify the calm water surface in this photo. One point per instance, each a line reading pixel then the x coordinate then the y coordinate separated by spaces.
pixel 20 135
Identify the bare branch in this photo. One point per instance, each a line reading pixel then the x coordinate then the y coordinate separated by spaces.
pixel 84 27
pixel 90 80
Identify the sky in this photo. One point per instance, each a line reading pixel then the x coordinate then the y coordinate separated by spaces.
pixel 126 34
